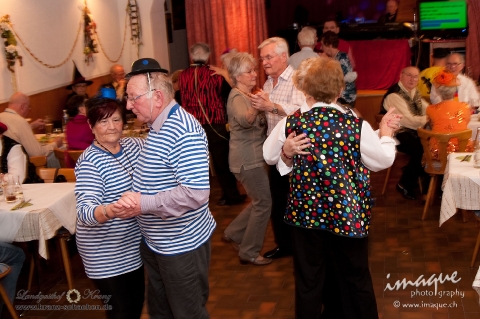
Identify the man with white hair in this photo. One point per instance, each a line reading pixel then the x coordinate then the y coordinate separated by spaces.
pixel 467 90
pixel 278 99
pixel 307 39
pixel 203 95
pixel 170 196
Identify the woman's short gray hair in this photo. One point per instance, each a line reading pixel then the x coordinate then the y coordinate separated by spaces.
pixel 447 92
pixel 200 52
pixel 239 64
pixel 227 57
pixel 281 46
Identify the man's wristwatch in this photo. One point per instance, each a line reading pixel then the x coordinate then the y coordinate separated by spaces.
pixel 274 110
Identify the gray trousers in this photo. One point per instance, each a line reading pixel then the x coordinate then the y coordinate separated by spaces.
pixel 177 285
pixel 248 228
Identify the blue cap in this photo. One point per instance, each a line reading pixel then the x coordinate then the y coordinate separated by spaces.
pixel 108 93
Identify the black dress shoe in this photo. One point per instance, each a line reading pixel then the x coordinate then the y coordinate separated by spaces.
pixel 277 253
pixel 222 201
pixel 406 193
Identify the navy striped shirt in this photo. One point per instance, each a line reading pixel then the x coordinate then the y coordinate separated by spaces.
pixel 112 248
pixel 175 155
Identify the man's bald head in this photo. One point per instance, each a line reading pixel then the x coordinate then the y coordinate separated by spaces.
pixel 409 77
pixel 20 103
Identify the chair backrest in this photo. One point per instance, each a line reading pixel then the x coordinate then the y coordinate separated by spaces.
pixel 47 174
pixel 436 164
pixel 38 161
pixel 74 155
pixel 60 155
pixel 69 174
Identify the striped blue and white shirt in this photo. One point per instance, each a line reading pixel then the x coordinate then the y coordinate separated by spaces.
pixel 112 248
pixel 175 154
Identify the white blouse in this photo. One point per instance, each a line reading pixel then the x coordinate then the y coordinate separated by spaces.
pixel 377 153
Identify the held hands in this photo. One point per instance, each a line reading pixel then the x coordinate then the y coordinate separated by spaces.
pixel 127 206
pixel 296 144
pixel 261 101
pixel 390 123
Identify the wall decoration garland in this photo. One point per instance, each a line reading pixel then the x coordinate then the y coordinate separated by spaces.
pixel 90 38
pixel 11 53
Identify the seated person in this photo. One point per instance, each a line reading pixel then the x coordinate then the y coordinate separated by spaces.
pixel 330 42
pixel 391 14
pixel 14 257
pixel 78 85
pixel 449 115
pixel 408 102
pixel 21 132
pixel 14 159
pixel 79 135
pixel 439 58
pixel 466 90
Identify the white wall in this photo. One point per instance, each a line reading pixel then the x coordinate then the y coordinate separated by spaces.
pixel 49 27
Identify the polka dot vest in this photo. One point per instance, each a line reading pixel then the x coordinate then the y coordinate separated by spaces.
pixel 330 188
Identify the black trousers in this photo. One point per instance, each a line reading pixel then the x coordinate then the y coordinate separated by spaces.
pixel 331 270
pixel 410 144
pixel 219 148
pixel 279 189
pixel 127 291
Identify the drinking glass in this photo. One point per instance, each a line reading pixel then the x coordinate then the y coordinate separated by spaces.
pixel 48 125
pixel 57 131
pixel 8 184
pixel 18 189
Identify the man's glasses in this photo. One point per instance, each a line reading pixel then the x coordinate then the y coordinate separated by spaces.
pixel 134 99
pixel 453 65
pixel 413 76
pixel 267 58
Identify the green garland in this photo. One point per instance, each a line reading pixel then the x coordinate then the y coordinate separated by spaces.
pixel 11 53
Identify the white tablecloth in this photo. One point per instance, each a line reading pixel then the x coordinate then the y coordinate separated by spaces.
pixel 53 207
pixel 461 186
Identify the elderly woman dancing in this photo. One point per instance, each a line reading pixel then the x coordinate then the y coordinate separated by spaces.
pixel 329 206
pixel 247 134
pixel 109 246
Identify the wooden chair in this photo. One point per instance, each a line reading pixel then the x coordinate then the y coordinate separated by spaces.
pixel 436 166
pixel 74 155
pixel 47 174
pixel 477 244
pixel 4 271
pixel 63 235
pixel 38 161
pixel 60 155
pixel 69 174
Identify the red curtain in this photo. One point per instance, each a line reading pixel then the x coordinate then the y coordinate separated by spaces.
pixel 473 39
pixel 239 24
